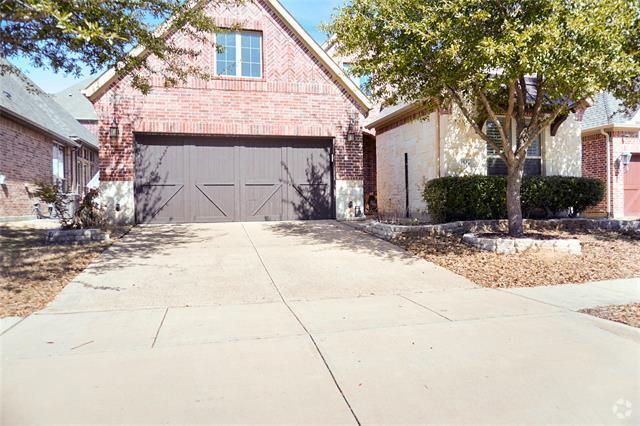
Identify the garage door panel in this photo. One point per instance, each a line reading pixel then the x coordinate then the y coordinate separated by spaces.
pixel 197 179
pixel 261 174
pixel 214 202
pixel 309 176
pixel 212 181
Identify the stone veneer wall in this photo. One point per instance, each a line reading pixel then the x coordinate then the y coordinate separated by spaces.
pixel 296 96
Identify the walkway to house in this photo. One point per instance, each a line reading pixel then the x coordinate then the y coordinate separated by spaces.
pixel 306 323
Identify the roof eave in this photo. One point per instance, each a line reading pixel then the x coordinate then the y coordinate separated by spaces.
pixel 611 126
pixel 29 123
pixel 384 120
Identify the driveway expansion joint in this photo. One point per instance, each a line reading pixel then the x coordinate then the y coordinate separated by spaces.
pixel 155 339
pixel 313 341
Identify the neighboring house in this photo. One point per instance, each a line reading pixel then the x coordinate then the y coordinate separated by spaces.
pixel 414 147
pixel 611 152
pixel 40 142
pixel 276 135
pixel 78 105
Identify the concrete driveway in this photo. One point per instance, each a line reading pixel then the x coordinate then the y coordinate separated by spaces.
pixel 305 323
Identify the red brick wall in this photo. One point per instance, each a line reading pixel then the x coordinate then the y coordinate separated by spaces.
pixel 594 165
pixel 369 165
pixel 26 157
pixel 594 160
pixel 295 97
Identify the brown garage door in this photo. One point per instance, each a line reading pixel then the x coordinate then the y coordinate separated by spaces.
pixel 632 187
pixel 182 179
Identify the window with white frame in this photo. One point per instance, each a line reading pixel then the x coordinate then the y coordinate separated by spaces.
pixel 58 163
pixel 495 165
pixel 239 54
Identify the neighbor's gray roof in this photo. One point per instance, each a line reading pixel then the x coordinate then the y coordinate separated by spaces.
pixel 23 99
pixel 75 102
pixel 606 110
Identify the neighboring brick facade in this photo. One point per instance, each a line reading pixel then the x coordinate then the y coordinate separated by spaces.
pixel 26 158
pixel 594 164
pixel 296 96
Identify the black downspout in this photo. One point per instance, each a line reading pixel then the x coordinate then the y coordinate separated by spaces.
pixel 406 184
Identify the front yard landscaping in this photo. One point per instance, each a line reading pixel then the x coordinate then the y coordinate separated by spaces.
pixel 626 314
pixel 32 273
pixel 605 255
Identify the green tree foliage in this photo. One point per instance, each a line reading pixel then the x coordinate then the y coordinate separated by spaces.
pixel 532 60
pixel 67 35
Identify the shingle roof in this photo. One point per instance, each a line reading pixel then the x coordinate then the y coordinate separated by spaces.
pixel 606 110
pixel 75 102
pixel 23 98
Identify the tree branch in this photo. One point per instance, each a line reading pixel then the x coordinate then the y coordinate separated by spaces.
pixel 506 143
pixel 460 102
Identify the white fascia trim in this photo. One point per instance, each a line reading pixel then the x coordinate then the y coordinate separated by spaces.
pixel 392 116
pixel 615 126
pixel 94 89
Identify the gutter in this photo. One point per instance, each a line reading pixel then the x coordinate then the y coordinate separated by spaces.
pixel 608 139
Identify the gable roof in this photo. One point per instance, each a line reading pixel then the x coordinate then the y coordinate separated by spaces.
pixel 104 81
pixel 75 102
pixel 606 111
pixel 23 100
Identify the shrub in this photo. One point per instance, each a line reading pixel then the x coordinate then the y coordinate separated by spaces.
pixel 87 215
pixel 485 197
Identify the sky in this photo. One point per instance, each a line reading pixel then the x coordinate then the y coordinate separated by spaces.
pixel 309 13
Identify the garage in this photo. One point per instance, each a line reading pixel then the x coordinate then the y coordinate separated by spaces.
pixel 632 187
pixel 224 179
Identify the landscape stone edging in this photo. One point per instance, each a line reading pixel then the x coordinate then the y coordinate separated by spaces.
pixel 511 246
pixel 65 236
pixel 389 231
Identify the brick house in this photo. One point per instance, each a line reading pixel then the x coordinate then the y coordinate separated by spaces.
pixel 611 152
pixel 39 141
pixel 413 147
pixel 275 135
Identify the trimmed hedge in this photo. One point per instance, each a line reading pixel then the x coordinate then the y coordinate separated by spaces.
pixel 485 197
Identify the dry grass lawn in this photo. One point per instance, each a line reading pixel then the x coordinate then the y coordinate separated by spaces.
pixel 33 273
pixel 605 255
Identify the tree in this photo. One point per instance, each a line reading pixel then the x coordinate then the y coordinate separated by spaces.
pixel 532 61
pixel 67 35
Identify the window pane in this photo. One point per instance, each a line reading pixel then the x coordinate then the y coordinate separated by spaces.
pixel 533 167
pixel 226 58
pixel 496 167
pixel 251 54
pixel 534 149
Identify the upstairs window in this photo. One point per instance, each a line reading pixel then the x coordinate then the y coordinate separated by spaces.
pixel 497 167
pixel 240 54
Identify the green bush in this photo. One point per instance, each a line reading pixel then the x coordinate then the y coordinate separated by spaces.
pixel 485 197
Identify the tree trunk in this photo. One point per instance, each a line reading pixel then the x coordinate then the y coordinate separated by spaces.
pixel 514 204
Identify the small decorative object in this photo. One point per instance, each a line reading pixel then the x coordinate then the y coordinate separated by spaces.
pixel 625 159
pixel 358 211
pixel 2 179
pixel 113 129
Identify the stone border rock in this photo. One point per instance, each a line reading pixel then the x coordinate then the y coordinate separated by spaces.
pixel 389 231
pixel 519 245
pixel 76 236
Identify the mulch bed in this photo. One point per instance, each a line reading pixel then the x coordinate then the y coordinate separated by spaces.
pixel 605 255
pixel 626 314
pixel 33 273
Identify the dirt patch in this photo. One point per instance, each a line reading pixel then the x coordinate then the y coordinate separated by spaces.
pixel 626 314
pixel 605 255
pixel 32 273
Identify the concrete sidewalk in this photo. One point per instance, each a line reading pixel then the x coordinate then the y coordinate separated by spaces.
pixel 302 332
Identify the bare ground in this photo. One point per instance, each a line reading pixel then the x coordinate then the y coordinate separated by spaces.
pixel 626 314
pixel 605 255
pixel 33 273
